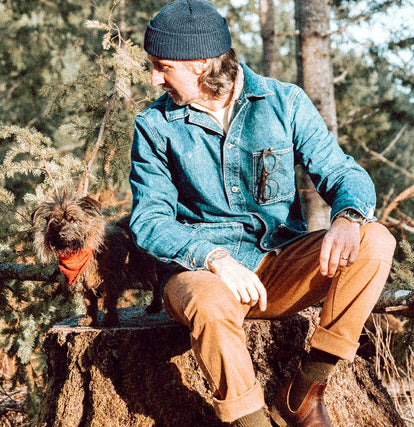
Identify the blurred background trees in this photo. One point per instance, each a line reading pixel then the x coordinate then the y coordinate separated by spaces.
pixel 73 76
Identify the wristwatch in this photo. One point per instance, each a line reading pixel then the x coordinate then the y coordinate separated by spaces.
pixel 214 255
pixel 352 215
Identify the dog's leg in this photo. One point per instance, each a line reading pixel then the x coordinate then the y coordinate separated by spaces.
pixel 91 317
pixel 111 296
pixel 156 303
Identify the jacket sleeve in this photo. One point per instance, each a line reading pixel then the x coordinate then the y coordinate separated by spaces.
pixel 337 177
pixel 153 218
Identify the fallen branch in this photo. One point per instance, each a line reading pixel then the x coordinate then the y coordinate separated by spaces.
pixel 33 272
pixel 399 302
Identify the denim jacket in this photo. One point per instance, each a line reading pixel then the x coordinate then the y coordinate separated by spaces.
pixel 196 189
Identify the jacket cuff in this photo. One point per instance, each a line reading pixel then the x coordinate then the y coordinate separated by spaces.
pixel 366 211
pixel 196 255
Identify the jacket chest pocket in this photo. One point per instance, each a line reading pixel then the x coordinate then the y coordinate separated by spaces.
pixel 273 175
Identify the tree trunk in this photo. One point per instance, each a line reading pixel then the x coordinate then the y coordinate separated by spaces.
pixel 315 76
pixel 267 24
pixel 144 374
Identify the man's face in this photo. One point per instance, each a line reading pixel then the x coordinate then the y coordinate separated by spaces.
pixel 178 78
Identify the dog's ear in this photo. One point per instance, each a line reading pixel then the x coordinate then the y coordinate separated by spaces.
pixel 41 212
pixel 34 214
pixel 90 205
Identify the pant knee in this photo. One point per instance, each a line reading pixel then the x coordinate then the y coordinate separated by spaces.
pixel 377 242
pixel 202 302
pixel 210 309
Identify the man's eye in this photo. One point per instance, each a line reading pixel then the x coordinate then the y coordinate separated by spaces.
pixel 163 68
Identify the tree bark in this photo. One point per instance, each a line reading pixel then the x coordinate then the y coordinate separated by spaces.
pixel 144 374
pixel 315 76
pixel 267 24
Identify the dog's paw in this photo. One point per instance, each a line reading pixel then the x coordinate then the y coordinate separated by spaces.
pixel 87 321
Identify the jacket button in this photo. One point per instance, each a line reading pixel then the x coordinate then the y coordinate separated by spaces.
pixel 229 145
pixel 234 189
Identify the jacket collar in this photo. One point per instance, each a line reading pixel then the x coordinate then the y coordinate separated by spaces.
pixel 254 87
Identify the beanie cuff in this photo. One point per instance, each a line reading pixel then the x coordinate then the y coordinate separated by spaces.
pixel 186 46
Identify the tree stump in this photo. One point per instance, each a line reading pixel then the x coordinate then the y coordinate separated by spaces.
pixel 143 373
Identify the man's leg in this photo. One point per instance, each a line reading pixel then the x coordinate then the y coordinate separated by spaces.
pixel 293 282
pixel 200 300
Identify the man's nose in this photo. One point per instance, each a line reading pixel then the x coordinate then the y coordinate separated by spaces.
pixel 157 78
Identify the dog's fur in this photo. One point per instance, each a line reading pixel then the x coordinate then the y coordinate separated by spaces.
pixel 73 223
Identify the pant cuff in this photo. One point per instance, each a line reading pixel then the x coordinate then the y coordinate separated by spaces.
pixel 325 340
pixel 247 403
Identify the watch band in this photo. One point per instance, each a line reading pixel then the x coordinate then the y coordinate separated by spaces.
pixel 214 255
pixel 352 215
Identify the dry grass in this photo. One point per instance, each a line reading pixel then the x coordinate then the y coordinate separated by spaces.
pixel 398 379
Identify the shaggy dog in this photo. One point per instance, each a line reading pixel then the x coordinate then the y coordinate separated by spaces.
pixel 97 257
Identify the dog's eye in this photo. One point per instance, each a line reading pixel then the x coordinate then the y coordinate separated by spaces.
pixel 72 219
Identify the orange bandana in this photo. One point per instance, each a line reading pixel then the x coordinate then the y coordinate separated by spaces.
pixel 72 265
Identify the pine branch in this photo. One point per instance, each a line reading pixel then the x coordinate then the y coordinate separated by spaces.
pixel 404 195
pixel 379 156
pixel 105 119
pixel 361 17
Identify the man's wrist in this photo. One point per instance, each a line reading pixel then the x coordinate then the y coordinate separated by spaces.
pixel 352 215
pixel 215 255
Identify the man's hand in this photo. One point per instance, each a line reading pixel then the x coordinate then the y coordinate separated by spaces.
pixel 340 246
pixel 245 285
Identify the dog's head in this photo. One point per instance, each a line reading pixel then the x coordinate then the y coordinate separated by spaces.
pixel 71 223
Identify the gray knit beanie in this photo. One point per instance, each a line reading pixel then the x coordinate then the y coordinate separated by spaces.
pixel 187 29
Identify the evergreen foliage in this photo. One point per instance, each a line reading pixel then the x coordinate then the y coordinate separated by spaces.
pixel 90 151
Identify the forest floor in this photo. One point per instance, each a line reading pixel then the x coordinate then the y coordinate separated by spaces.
pixel 12 407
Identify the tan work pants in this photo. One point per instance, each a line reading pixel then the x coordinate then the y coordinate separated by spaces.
pixel 200 300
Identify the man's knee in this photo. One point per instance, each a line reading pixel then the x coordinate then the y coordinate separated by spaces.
pixel 377 242
pixel 203 299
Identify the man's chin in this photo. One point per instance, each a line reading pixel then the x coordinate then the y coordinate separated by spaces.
pixel 178 99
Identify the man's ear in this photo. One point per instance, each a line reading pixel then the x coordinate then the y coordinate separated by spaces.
pixel 201 65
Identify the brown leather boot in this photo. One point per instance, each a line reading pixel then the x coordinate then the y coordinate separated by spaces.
pixel 311 412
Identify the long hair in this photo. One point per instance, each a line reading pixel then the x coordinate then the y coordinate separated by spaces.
pixel 218 79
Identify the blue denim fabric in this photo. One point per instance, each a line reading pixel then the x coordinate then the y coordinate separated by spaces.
pixel 195 188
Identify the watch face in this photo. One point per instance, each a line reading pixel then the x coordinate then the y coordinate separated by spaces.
pixel 355 216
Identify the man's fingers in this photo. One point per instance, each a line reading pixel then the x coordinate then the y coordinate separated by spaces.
pixel 262 295
pixel 325 256
pixel 244 296
pixel 252 293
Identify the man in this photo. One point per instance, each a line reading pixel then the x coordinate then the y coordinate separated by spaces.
pixel 214 199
